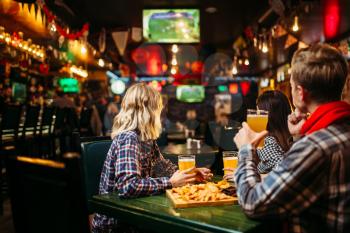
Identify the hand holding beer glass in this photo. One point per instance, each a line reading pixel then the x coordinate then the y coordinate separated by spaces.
pixel 257 121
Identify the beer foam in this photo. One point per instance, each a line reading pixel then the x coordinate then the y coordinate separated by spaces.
pixel 230 158
pixel 187 160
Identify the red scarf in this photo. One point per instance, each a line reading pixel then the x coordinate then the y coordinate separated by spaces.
pixel 325 115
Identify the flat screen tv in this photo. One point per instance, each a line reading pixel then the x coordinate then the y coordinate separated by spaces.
pixel 171 25
pixel 190 93
pixel 19 92
pixel 69 85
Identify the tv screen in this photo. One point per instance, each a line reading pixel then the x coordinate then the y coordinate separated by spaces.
pixel 70 85
pixel 171 25
pixel 190 93
pixel 222 88
pixel 19 92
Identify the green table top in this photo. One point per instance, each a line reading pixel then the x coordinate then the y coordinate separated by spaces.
pixel 157 214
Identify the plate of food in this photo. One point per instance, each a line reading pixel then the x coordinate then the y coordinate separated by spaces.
pixel 206 194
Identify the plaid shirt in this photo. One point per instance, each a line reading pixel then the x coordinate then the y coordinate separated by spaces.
pixel 133 168
pixel 310 187
pixel 270 155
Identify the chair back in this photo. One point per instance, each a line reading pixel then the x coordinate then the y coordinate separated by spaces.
pixel 10 119
pixel 47 196
pixel 31 120
pixel 47 120
pixel 60 116
pixel 94 154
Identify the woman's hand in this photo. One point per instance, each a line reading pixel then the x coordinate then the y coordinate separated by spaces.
pixel 230 176
pixel 203 174
pixel 181 178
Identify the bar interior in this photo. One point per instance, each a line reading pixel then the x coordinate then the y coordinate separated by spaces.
pixel 174 116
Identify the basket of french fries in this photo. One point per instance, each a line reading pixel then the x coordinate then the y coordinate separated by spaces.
pixel 206 194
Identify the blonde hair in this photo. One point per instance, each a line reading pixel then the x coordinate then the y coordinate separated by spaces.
pixel 140 110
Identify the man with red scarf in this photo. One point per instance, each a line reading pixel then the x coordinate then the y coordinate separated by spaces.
pixel 310 189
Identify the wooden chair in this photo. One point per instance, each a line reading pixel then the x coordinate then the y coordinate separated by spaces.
pixel 9 126
pixel 29 129
pixel 47 196
pixel 45 134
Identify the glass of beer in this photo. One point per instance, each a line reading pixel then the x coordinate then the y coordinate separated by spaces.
pixel 186 162
pixel 257 121
pixel 230 159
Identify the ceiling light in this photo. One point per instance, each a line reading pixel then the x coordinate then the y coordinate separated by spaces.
pixel 246 62
pixel 101 62
pixel 173 70
pixel 234 70
pixel 174 61
pixel 83 50
pixel 295 27
pixel 174 48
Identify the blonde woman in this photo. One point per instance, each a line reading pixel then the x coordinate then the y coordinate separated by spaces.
pixel 134 165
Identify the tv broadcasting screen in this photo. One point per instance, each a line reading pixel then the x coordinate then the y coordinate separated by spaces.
pixel 69 85
pixel 171 25
pixel 190 93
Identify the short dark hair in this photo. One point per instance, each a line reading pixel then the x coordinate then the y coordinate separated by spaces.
pixel 321 70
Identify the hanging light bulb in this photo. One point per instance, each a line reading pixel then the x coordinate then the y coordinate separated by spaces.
pixel 264 49
pixel 83 50
pixel 174 61
pixel 246 62
pixel 295 27
pixel 234 70
pixel 174 48
pixel 101 62
pixel 53 27
pixel 173 70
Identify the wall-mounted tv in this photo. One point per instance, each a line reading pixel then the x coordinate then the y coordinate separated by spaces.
pixel 190 93
pixel 69 85
pixel 19 92
pixel 171 25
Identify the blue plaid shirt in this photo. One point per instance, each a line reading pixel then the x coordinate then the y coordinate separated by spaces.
pixel 310 188
pixel 133 168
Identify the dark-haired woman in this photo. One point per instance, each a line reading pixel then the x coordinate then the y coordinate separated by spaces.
pixel 279 139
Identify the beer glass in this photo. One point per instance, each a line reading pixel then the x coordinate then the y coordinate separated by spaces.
pixel 257 121
pixel 230 159
pixel 186 162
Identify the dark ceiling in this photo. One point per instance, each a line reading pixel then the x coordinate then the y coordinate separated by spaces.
pixel 219 28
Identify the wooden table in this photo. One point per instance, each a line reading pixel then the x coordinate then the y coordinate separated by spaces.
pixel 156 213
pixel 205 156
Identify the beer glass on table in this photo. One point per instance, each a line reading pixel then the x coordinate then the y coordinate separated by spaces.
pixel 230 159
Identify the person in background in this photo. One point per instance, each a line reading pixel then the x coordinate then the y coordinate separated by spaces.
pixel 191 122
pixel 310 187
pixel 111 112
pixel 134 165
pixel 85 102
pixel 117 99
pixel 279 138
pixel 62 100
